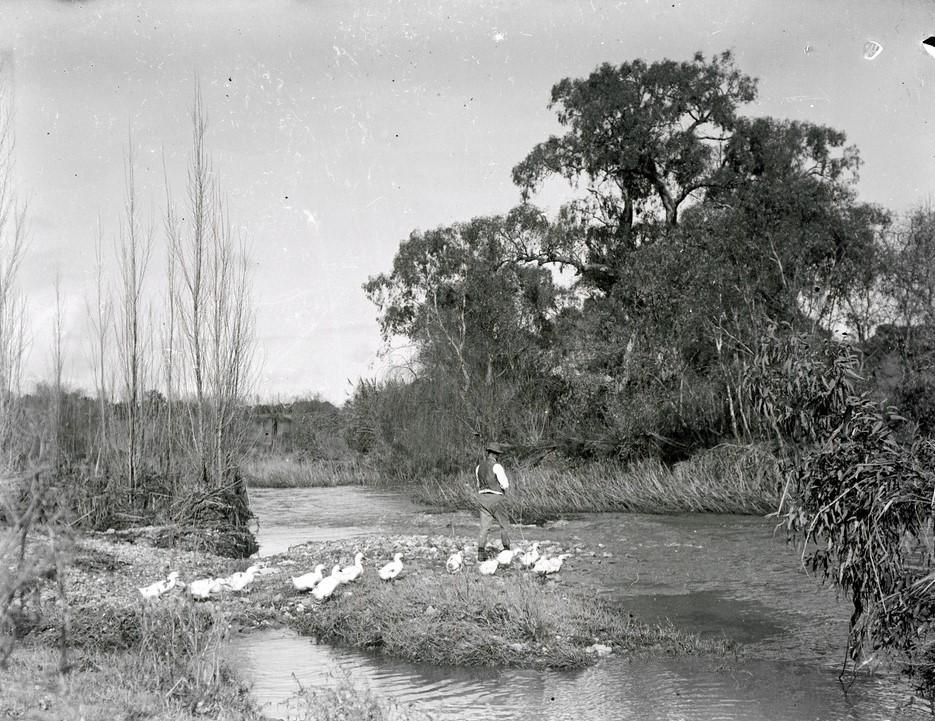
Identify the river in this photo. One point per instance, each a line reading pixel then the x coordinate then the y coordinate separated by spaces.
pixel 717 575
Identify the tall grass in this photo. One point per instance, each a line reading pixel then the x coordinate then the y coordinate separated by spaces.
pixel 725 479
pixel 28 565
pixel 169 666
pixel 283 472
pixel 180 649
pixel 173 647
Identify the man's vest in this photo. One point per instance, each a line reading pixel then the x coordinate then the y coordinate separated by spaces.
pixel 486 478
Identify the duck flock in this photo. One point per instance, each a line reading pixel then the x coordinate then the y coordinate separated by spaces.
pixel 323 586
pixel 203 588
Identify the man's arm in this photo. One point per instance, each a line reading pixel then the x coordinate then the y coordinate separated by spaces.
pixel 501 476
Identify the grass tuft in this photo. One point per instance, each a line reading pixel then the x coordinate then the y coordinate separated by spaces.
pixel 346 701
pixel 172 647
pixel 470 620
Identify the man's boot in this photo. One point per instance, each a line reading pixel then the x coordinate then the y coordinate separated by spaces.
pixel 481 554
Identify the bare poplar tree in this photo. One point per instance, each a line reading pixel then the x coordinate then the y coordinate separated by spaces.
pixel 170 337
pixel 134 247
pixel 12 308
pixel 23 497
pixel 100 317
pixel 211 287
pixel 55 416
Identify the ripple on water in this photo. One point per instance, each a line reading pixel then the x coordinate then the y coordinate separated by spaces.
pixel 710 614
pixel 692 689
pixel 713 574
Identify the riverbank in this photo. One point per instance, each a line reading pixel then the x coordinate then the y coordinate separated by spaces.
pixel 742 479
pixel 162 658
pixel 281 471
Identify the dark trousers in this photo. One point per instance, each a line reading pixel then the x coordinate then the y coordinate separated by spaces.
pixel 492 509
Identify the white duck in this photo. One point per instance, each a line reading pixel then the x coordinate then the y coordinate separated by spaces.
pixel 530 557
pixel 327 585
pixel 308 581
pixel 455 562
pixel 548 566
pixel 488 568
pixel 392 569
pixel 204 587
pixel 505 557
pixel 154 590
pixel 241 579
pixel 352 572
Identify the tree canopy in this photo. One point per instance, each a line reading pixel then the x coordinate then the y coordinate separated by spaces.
pixel 688 223
pixel 642 139
pixel 475 319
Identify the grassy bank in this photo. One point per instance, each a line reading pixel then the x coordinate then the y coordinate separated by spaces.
pixel 284 472
pixel 104 686
pixel 87 645
pixel 472 620
pixel 146 661
pixel 727 479
pixel 427 615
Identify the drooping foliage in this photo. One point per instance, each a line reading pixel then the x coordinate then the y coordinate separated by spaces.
pixel 857 497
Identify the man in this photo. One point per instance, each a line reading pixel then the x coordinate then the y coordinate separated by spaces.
pixel 491 484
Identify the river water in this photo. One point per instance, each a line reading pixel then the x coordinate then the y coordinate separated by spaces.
pixel 717 575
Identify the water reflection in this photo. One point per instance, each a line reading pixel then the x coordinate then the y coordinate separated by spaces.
pixel 710 614
pixel 287 517
pixel 687 689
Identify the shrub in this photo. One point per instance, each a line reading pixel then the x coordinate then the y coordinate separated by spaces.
pixel 346 701
pixel 26 566
pixel 857 500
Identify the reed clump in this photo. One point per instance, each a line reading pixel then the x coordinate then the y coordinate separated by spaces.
pixel 180 651
pixel 724 479
pixel 32 546
pixel 172 647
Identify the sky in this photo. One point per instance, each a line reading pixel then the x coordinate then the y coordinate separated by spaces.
pixel 337 128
